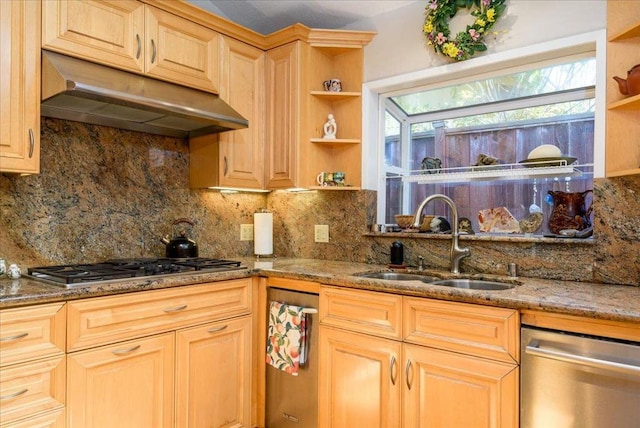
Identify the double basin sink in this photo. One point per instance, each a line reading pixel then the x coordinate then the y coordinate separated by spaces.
pixel 472 284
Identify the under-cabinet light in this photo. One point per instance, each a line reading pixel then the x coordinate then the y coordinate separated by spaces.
pixel 231 190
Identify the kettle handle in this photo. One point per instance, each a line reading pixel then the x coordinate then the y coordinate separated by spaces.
pixel 183 220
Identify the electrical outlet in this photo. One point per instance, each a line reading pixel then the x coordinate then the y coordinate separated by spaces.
pixel 321 233
pixel 246 232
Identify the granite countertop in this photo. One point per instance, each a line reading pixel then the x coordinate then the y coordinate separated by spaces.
pixel 600 301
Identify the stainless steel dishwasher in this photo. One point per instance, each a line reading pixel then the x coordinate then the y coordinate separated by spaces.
pixel 292 401
pixel 568 380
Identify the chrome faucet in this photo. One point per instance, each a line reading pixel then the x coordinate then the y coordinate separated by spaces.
pixel 456 253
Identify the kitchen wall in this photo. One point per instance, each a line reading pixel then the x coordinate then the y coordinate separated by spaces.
pixel 525 22
pixel 108 193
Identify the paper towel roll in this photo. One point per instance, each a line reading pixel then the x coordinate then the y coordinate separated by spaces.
pixel 263 234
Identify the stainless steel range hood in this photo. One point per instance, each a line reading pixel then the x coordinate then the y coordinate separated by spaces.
pixel 82 91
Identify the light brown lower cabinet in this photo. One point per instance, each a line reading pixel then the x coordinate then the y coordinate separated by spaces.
pixel 129 384
pixel 33 366
pixel 31 388
pixel 377 379
pixel 359 381
pixel 446 389
pixel 54 419
pixel 178 357
pixel 213 373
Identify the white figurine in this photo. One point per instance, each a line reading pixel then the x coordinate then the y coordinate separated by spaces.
pixel 330 128
pixel 14 271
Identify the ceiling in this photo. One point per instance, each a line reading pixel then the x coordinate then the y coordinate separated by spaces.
pixel 267 16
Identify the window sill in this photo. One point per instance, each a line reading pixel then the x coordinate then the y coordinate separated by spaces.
pixel 492 237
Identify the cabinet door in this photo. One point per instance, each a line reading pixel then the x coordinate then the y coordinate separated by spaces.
pixel 359 380
pixel 180 51
pixel 242 86
pixel 445 389
pixel 213 375
pixel 20 87
pixel 109 32
pixel 283 114
pixel 129 384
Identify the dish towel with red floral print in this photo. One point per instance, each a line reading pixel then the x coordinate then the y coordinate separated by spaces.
pixel 286 337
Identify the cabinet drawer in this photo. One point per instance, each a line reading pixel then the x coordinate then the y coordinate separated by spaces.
pixel 31 388
pixel 55 419
pixel 367 312
pixel 98 321
pixel 33 332
pixel 462 327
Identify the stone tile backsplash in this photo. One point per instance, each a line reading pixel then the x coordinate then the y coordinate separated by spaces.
pixel 109 193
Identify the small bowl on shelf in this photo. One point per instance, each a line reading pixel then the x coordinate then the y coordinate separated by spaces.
pixel 405 221
pixel 425 226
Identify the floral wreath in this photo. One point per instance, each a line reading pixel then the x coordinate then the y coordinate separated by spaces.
pixel 466 43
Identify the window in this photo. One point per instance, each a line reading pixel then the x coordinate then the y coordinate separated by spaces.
pixel 502 116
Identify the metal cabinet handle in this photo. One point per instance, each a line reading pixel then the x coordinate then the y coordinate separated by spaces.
pixel 582 360
pixel 126 351
pixel 217 329
pixel 16 337
pixel 153 51
pixel 406 372
pixel 15 394
pixel 393 370
pixel 139 51
pixel 176 309
pixel 32 142
pixel 226 165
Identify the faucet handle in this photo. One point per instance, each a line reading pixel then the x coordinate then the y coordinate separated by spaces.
pixel 420 263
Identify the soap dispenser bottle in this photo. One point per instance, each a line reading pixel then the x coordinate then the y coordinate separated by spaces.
pixel 397 254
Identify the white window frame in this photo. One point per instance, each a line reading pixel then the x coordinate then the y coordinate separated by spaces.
pixel 373 93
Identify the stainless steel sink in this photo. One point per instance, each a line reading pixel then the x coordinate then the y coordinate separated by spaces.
pixel 473 284
pixel 395 276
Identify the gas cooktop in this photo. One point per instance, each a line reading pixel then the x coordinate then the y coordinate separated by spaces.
pixel 118 269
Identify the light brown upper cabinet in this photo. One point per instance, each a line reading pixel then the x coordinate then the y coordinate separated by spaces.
pixel 20 87
pixel 132 36
pixel 236 158
pixel 298 106
pixel 283 115
pixel 623 52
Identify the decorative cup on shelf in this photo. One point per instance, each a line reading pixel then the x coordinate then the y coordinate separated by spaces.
pixel 331 178
pixel 338 178
pixel 332 85
pixel 325 179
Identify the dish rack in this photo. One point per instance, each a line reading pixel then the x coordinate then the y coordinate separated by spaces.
pixel 557 168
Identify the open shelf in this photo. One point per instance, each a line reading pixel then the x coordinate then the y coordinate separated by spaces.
pixel 335 96
pixel 628 33
pixel 334 188
pixel 622 173
pixel 506 172
pixel 335 140
pixel 631 103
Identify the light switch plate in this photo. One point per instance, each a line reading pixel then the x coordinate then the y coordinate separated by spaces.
pixel 246 232
pixel 321 233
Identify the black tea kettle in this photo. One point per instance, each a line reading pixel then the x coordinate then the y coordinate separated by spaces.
pixel 180 246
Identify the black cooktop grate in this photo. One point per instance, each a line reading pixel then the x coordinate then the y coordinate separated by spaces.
pixel 79 274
